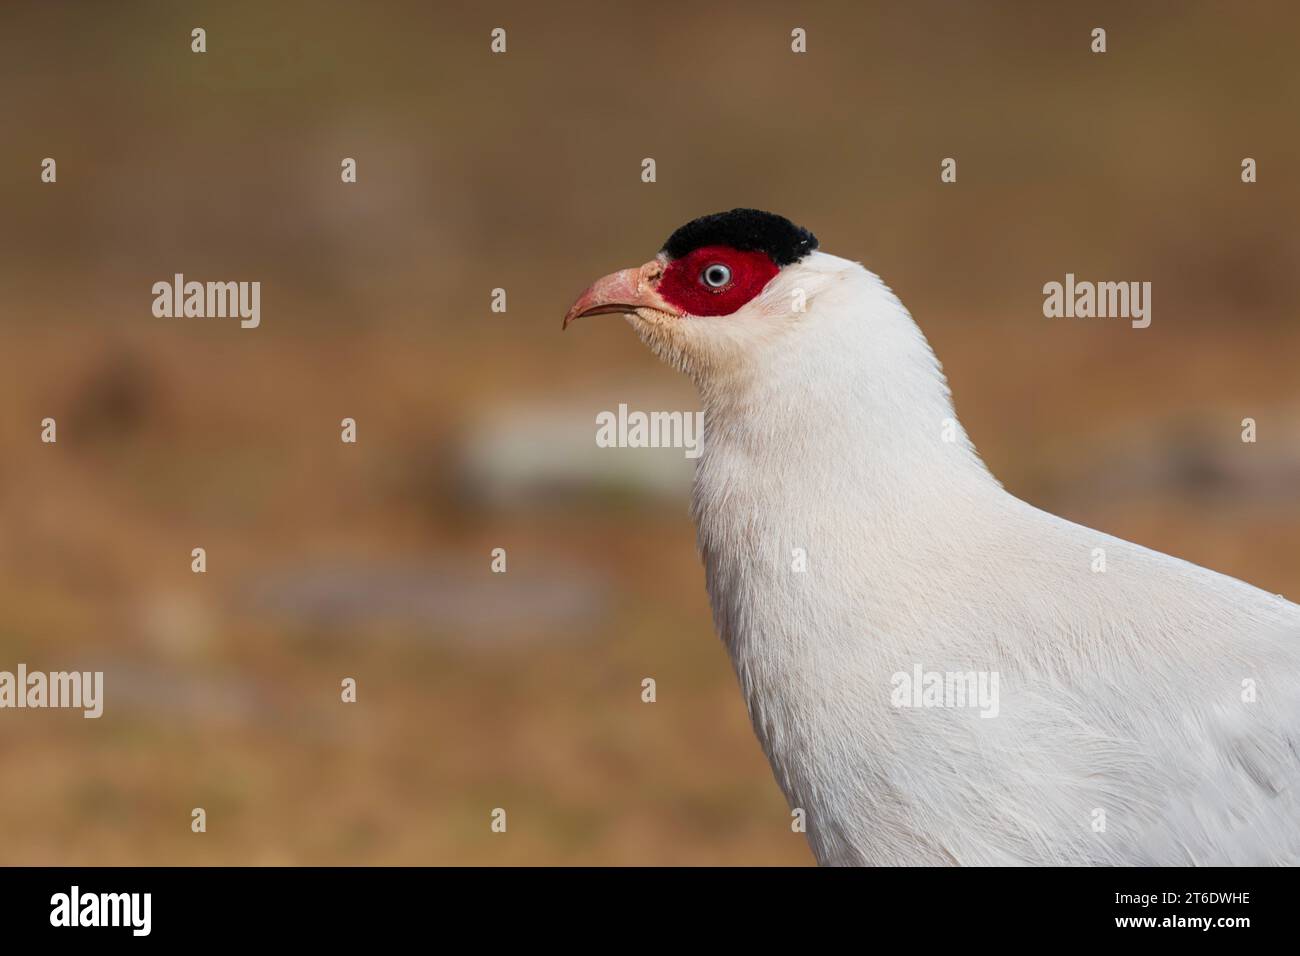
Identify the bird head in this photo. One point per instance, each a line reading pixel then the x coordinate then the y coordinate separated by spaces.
pixel 721 287
pixel 799 347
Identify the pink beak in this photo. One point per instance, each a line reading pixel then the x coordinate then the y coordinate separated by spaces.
pixel 622 293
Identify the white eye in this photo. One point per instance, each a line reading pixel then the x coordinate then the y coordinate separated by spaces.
pixel 716 275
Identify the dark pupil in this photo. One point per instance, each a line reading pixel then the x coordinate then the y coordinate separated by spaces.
pixel 717 276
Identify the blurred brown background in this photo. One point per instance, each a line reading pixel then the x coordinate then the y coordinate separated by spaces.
pixel 476 430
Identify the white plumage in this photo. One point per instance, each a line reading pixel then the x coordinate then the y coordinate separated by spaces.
pixel 1123 695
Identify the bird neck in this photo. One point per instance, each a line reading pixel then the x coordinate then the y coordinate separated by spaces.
pixel 852 404
pixel 833 474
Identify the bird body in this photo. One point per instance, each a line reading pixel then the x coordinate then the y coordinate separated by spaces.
pixel 1148 710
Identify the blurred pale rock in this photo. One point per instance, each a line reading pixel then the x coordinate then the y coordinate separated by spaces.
pixel 524 453
pixel 1199 455
pixel 444 600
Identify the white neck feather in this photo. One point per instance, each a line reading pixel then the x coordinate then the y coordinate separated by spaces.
pixel 849 405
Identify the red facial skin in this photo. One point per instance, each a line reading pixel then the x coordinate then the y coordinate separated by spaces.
pixel 683 285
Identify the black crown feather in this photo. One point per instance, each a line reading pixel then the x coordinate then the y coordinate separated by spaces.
pixel 749 230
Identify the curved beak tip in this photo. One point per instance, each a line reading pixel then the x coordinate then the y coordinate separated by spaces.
pixel 619 293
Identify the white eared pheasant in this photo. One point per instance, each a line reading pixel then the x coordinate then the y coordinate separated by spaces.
pixel 871 580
